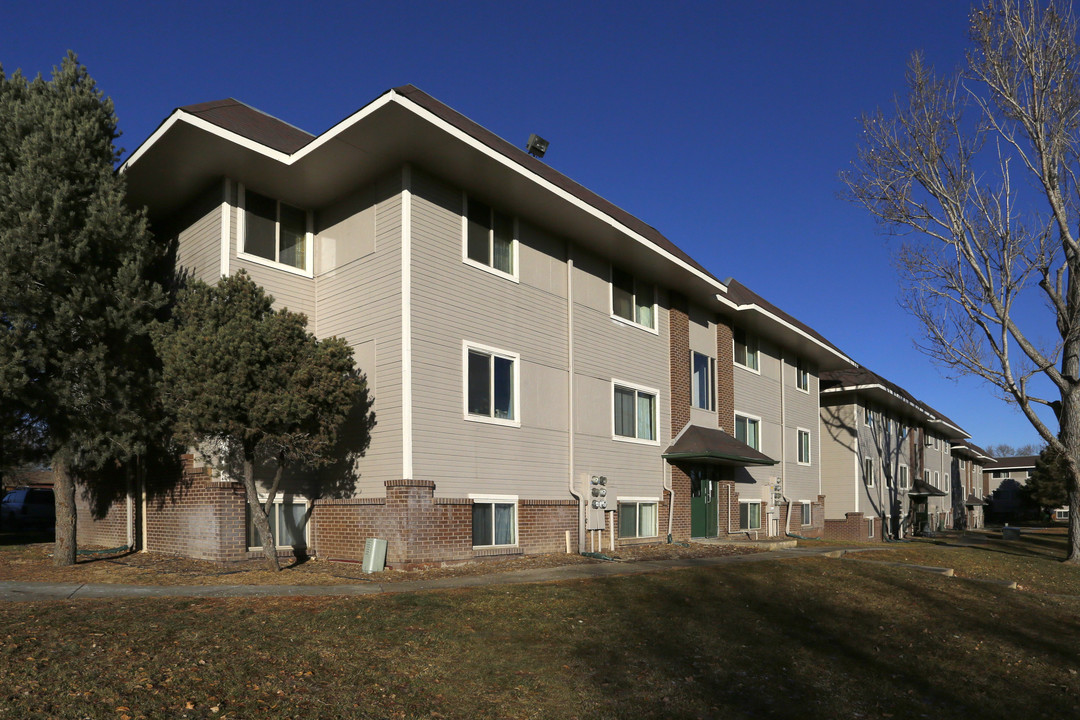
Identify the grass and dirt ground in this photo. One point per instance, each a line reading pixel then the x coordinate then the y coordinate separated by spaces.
pixel 808 638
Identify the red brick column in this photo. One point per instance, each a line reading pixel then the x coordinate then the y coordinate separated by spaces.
pixel 725 369
pixel 679 362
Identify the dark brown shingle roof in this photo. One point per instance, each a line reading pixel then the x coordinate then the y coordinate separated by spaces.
pixel 713 445
pixel 742 295
pixel 854 377
pixel 253 124
pixel 1024 461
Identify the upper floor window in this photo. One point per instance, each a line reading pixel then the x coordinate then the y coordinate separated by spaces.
pixel 491 381
pixel 632 299
pixel 802 376
pixel 746 350
pixel 903 477
pixel 634 412
pixel 490 241
pixel 748 430
pixel 274 231
pixel 868 472
pixel 703 381
pixel 871 418
pixel 804 447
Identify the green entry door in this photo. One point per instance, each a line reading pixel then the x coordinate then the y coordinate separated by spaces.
pixel 704 504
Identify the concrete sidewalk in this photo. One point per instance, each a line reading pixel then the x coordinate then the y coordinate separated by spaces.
pixel 31 591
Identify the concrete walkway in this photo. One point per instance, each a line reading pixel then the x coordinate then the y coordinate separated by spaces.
pixel 33 591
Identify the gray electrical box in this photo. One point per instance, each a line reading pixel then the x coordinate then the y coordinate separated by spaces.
pixel 596 497
pixel 374 555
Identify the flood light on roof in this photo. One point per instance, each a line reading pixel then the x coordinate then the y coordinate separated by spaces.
pixel 536 146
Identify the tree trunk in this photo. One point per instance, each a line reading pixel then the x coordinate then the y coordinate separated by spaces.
pixel 64 490
pixel 258 515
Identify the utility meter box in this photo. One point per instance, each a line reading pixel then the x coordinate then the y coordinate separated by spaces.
pixel 374 555
pixel 598 501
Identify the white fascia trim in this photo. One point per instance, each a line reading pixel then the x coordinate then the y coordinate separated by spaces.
pixel 636 499
pixel 931 419
pixel 756 308
pixel 545 184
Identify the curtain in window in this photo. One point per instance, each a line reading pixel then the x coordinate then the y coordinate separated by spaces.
pixel 628 520
pixel 504 524
pixel 479 384
pixel 624 412
pixel 292 517
pixel 504 387
pixel 260 225
pixel 647 519
pixel 645 417
pixel 622 293
pixel 643 299
pixel 479 232
pixel 481 524
pixel 701 381
pixel 293 241
pixel 502 243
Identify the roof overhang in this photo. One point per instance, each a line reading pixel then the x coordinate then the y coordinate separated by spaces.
pixel 778 330
pixel 890 400
pixel 713 446
pixel 186 154
pixel 922 488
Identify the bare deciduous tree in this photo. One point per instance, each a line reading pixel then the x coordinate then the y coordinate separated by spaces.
pixel 980 168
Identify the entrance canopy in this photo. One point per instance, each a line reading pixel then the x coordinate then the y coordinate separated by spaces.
pixel 921 487
pixel 714 446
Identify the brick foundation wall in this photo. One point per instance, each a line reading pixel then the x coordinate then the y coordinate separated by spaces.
pixel 199 517
pixel 816 529
pixel 421 529
pixel 853 528
pixel 109 531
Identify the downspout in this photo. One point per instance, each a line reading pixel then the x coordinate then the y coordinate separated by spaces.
pixel 665 473
pixel 142 510
pixel 783 449
pixel 570 397
pixel 130 505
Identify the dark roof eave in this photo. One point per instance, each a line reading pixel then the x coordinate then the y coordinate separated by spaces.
pixel 720 458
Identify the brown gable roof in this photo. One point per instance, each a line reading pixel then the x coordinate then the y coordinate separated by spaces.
pixel 253 124
pixel 854 377
pixel 1024 461
pixel 713 445
pixel 742 295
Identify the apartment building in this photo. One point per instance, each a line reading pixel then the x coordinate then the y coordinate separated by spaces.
pixel 968 499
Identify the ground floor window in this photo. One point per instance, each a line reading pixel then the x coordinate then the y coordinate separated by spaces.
pixel 869 527
pixel 494 522
pixel 1061 514
pixel 637 518
pixel 807 514
pixel 750 515
pixel 288 522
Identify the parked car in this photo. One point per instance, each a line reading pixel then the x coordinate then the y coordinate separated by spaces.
pixel 28 508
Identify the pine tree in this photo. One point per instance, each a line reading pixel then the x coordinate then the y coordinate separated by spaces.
pixel 1047 487
pixel 76 294
pixel 249 384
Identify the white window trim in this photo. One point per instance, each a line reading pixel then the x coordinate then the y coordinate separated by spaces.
pixel 809 446
pixel 868 478
pixel 309 240
pixel 712 381
pixel 757 419
pixel 799 362
pixel 947 487
pixel 870 527
pixel 481 499
pixel 466 346
pixel 656 412
pixel 626 321
pixel 642 501
pixel 281 499
pixel 751 502
pixel 757 344
pixel 900 480
pixel 937 479
pixel 514 276
pixel 807 515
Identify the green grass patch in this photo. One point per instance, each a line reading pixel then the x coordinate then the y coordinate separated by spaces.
pixel 810 638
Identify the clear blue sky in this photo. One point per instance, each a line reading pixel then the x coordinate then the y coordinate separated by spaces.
pixel 723 124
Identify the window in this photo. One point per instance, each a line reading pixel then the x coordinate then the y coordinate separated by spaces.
pixel 637 518
pixel 870 418
pixel 634 412
pixel 746 350
pixel 494 521
pixel 632 299
pixel 869 527
pixel 997 474
pixel 490 238
pixel 903 477
pixel 807 513
pixel 804 447
pixel 961 463
pixel 948 486
pixel 288 522
pixel 802 376
pixel 750 515
pixel 937 479
pixel 491 381
pixel 703 381
pixel 273 230
pixel 747 430
pixel 927 478
pixel 1061 514
pixel 868 472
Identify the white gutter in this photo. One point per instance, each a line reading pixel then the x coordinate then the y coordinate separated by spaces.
pixel 751 307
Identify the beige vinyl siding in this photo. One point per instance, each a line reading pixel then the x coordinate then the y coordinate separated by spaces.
pixel 359 299
pixel 758 394
pixel 453 302
pixel 839 459
pixel 197 230
pixel 801 482
pixel 605 349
